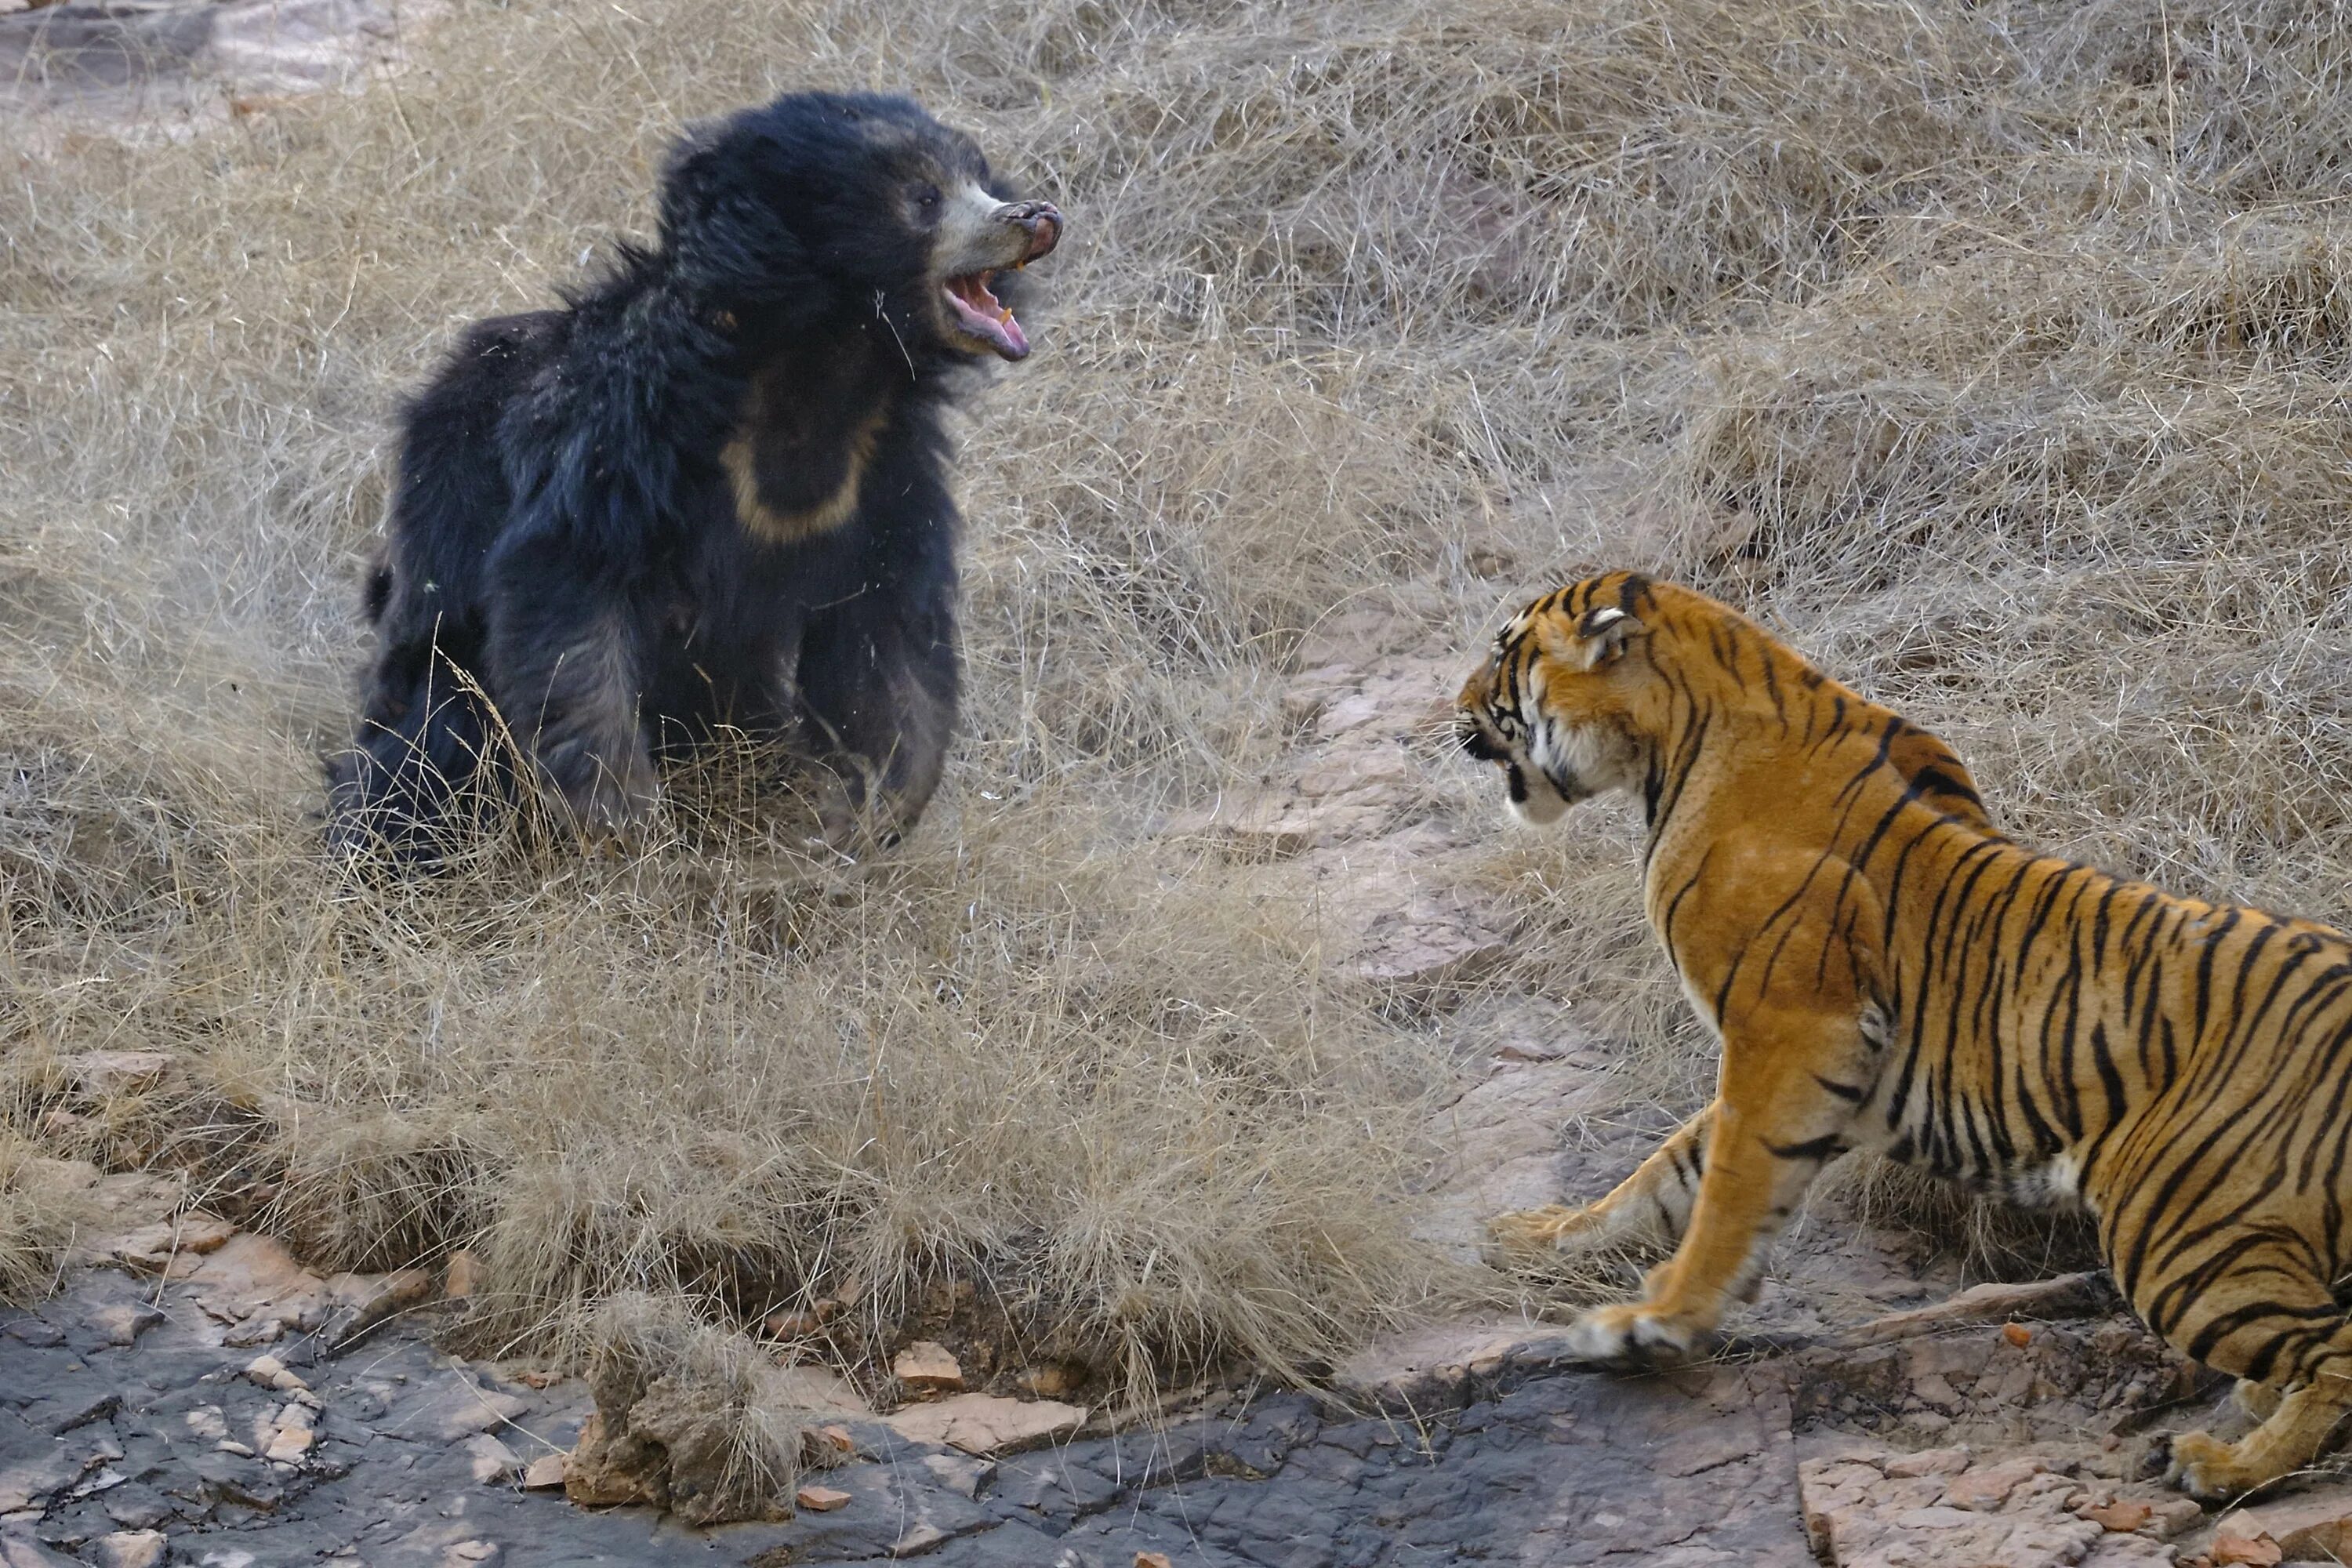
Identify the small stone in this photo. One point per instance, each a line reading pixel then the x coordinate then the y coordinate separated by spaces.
pixel 2314 1524
pixel 918 1540
pixel 289 1445
pixel 1048 1381
pixel 543 1473
pixel 987 1424
pixel 959 1474
pixel 817 1389
pixel 208 1421
pixel 174 1248
pixel 928 1368
pixel 261 1329
pixel 821 1500
pixel 2018 1334
pixel 2258 1551
pixel 2122 1516
pixel 474 1551
pixel 791 1326
pixel 1151 1560
pixel 839 1436
pixel 270 1372
pixel 122 1322
pixel 19 1548
pixel 492 1460
pixel 457 1410
pixel 358 1302
pixel 130 1549
pixel 1986 1488
pixel 464 1276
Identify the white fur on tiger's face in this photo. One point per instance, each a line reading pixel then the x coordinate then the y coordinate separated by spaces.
pixel 1551 714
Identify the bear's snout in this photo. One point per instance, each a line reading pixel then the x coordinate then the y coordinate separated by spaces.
pixel 1041 220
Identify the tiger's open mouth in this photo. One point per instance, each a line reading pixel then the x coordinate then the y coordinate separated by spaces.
pixel 984 316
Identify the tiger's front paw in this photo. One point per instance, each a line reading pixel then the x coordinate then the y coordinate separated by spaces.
pixel 2206 1467
pixel 1633 1335
pixel 1528 1234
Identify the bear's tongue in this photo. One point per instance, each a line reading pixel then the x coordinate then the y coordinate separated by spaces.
pixel 982 315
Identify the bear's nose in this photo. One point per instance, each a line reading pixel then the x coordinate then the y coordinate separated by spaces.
pixel 1041 220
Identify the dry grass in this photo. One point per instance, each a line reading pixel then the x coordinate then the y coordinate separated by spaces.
pixel 1997 354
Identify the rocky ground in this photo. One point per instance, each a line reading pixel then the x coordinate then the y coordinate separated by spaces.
pixel 194 1395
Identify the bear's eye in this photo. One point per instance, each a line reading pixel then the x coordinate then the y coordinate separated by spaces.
pixel 927 200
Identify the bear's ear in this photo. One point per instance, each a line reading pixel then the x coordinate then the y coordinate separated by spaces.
pixel 689 175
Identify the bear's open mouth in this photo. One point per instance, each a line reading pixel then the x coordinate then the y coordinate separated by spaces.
pixel 984 316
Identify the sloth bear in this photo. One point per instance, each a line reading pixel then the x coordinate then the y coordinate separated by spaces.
pixel 708 497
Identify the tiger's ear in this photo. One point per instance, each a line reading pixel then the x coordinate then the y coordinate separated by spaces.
pixel 1598 638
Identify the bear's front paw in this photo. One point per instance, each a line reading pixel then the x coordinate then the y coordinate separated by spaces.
pixel 1631 1336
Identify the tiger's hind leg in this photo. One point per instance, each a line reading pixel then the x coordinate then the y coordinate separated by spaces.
pixel 1650 1207
pixel 2260 1401
pixel 2271 1322
pixel 2297 1429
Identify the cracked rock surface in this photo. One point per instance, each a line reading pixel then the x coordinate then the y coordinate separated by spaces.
pixel 173 1445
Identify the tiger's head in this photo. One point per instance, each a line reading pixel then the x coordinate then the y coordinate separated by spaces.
pixel 1567 695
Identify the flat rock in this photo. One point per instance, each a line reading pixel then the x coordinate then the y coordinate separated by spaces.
pixel 122 1322
pixel 817 1388
pixel 129 1549
pixel 927 1368
pixel 1871 1510
pixel 2312 1526
pixel 253 1276
pixel 173 1248
pixel 1440 1360
pixel 33 1482
pixel 357 1303
pixel 19 1548
pixel 985 1424
pixel 455 1408
pixel 491 1461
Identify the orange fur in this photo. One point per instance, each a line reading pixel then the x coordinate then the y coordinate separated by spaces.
pixel 1887 971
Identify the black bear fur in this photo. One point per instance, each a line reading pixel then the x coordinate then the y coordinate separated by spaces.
pixel 709 495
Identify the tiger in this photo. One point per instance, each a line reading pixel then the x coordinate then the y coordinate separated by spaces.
pixel 1886 971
